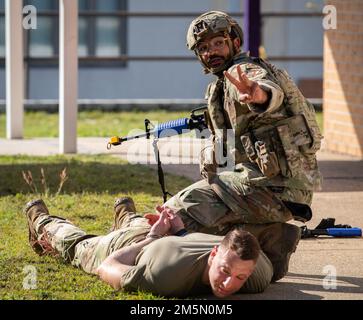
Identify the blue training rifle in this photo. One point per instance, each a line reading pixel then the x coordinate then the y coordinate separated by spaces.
pixel 170 128
pixel 327 227
pixel 167 129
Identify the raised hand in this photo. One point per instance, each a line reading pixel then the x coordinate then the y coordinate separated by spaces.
pixel 249 91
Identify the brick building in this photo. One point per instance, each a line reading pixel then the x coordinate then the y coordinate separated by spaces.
pixel 343 77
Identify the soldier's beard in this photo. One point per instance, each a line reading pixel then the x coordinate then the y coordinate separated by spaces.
pixel 216 64
pixel 215 61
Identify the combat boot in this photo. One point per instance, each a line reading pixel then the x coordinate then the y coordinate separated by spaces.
pixel 279 241
pixel 123 209
pixel 33 210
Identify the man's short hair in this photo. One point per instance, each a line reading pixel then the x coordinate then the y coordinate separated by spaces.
pixel 243 243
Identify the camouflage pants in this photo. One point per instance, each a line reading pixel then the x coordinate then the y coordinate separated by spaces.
pixel 88 251
pixel 202 209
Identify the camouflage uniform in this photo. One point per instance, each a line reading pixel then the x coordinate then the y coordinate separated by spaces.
pixel 59 237
pixel 247 191
pixel 273 149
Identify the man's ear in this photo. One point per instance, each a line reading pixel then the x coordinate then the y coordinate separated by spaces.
pixel 237 44
pixel 212 254
pixel 214 251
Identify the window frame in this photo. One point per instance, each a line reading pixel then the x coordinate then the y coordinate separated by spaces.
pixel 90 60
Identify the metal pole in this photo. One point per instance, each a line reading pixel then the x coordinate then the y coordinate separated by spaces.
pixel 68 75
pixel 252 26
pixel 14 69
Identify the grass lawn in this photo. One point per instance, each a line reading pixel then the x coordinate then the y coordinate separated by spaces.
pixel 86 199
pixel 98 123
pixel 92 123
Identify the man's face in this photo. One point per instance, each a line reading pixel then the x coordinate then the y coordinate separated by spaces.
pixel 227 272
pixel 213 51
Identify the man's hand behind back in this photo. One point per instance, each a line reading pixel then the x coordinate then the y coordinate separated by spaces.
pixel 176 223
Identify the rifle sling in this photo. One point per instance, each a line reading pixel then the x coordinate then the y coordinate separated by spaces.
pixel 160 171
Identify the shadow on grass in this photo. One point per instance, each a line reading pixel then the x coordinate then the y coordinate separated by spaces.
pixel 86 176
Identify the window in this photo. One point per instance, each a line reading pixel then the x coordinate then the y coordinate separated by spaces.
pixel 43 41
pixel 101 31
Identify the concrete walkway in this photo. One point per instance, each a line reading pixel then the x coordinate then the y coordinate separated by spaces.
pixel 323 268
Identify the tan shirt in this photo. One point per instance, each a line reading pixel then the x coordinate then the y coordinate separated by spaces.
pixel 173 266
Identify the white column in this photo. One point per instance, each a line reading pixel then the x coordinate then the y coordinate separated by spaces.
pixel 14 69
pixel 68 75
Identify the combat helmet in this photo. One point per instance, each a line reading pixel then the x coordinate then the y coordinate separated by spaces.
pixel 209 23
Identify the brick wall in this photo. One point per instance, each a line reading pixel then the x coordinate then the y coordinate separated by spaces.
pixel 343 80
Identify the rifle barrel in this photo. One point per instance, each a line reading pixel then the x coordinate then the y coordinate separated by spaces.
pixel 128 138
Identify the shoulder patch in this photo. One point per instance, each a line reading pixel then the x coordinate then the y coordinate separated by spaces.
pixel 253 71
